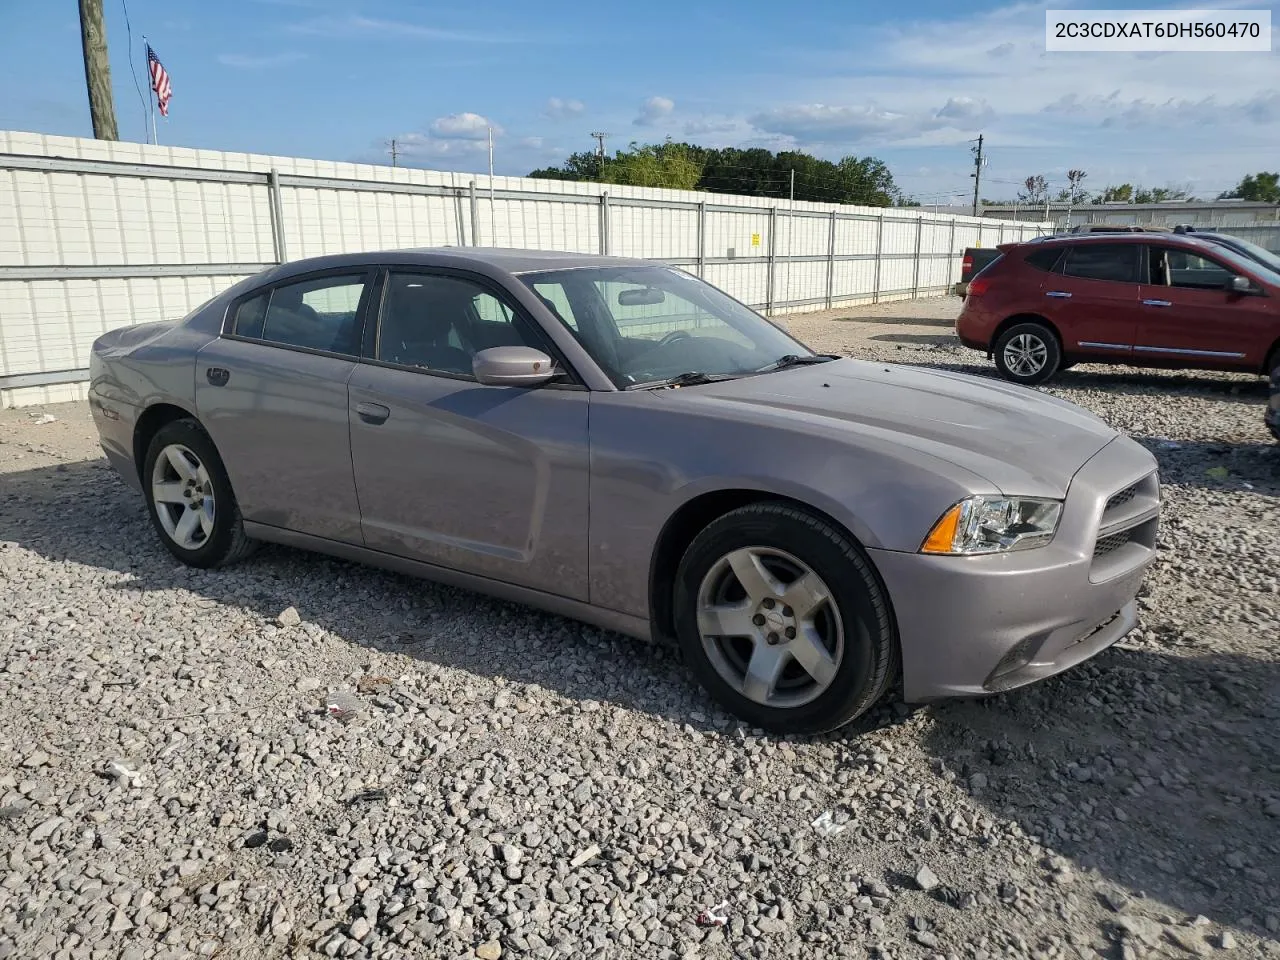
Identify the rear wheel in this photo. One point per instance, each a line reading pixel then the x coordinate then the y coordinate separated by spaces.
pixel 191 503
pixel 1027 353
pixel 783 620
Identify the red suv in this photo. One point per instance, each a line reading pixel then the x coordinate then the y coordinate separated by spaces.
pixel 1143 299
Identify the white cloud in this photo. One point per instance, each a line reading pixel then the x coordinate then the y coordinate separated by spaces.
pixel 653 110
pixel 357 25
pixel 966 110
pixel 426 147
pixel 243 61
pixel 561 109
pixel 464 126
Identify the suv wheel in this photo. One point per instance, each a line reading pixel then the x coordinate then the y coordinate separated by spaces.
pixel 782 618
pixel 1027 353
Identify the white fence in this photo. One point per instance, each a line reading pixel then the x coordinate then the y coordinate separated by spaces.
pixel 96 235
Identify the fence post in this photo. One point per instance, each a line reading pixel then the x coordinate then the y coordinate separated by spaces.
pixel 831 259
pixel 702 237
pixel 773 258
pixel 915 270
pixel 951 252
pixel 875 286
pixel 604 223
pixel 277 215
pixel 462 223
pixel 475 216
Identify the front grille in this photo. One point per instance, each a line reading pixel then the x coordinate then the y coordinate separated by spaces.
pixel 1110 544
pixel 1123 497
pixel 1128 521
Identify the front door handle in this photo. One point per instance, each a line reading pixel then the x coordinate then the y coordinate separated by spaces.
pixel 374 413
pixel 1157 303
pixel 1062 294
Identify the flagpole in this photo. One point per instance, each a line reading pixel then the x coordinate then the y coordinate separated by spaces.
pixel 151 103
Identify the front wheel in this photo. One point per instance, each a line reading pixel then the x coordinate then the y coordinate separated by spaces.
pixel 782 618
pixel 1027 353
pixel 190 498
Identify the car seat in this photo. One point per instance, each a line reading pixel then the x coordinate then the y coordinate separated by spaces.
pixel 418 322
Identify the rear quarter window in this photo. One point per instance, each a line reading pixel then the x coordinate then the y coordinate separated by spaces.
pixel 1044 259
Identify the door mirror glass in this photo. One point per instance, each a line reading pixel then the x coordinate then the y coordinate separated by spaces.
pixel 513 367
pixel 1240 285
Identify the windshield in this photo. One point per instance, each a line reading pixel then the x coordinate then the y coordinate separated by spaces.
pixel 1261 254
pixel 1269 271
pixel 650 324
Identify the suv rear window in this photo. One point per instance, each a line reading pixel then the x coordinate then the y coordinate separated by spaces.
pixel 1045 259
pixel 1117 262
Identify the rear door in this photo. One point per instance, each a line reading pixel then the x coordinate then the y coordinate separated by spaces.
pixel 1093 299
pixel 1190 317
pixel 272 392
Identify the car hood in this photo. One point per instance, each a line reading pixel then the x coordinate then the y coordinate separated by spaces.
pixel 1021 441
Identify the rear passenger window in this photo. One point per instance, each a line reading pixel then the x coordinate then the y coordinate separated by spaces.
pixel 1117 262
pixel 1045 259
pixel 318 314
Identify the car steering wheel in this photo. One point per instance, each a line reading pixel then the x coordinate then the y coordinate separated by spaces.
pixel 673 336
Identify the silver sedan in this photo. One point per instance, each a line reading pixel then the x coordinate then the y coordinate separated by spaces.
pixel 619 442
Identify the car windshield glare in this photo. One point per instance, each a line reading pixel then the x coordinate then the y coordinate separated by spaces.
pixel 650 324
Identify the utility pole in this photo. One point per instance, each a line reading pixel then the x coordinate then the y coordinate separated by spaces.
pixel 600 149
pixel 977 173
pixel 97 70
pixel 394 152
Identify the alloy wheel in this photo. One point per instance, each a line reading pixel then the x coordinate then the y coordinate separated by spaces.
pixel 183 496
pixel 1025 355
pixel 770 626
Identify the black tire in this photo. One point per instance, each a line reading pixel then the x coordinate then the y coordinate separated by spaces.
pixel 871 658
pixel 227 542
pixel 1274 425
pixel 1041 340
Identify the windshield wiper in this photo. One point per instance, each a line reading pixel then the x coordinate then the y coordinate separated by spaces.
pixel 795 360
pixel 687 379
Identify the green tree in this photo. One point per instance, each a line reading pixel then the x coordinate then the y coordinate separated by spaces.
pixel 1160 194
pixel 1120 193
pixel 670 165
pixel 1261 187
pixel 754 172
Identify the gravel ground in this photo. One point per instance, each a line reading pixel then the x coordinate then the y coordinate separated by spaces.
pixel 495 781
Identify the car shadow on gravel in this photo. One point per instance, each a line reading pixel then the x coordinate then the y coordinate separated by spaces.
pixel 1226 467
pixel 1157 770
pixel 42 510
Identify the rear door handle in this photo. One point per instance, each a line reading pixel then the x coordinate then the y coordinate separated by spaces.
pixel 1061 294
pixel 374 413
pixel 1157 303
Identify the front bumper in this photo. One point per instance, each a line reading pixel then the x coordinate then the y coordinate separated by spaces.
pixel 972 626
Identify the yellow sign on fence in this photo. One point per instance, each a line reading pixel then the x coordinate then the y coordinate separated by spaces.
pixel 755 239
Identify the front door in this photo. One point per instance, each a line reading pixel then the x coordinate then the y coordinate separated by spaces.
pixel 1189 317
pixel 488 480
pixel 1093 300
pixel 272 392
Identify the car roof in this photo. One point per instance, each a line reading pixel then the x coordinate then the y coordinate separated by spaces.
pixel 1191 241
pixel 484 259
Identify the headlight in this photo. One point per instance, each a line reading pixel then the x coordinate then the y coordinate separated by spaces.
pixel 994 525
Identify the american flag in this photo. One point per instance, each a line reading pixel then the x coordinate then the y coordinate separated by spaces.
pixel 159 81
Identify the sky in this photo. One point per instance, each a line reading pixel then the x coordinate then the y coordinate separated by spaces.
pixel 911 83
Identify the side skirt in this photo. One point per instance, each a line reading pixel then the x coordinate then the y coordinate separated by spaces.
pixel 565 607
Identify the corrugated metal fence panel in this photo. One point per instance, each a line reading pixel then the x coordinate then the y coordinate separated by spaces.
pixel 97 234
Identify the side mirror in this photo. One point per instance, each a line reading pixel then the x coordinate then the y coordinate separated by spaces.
pixel 513 367
pixel 1240 285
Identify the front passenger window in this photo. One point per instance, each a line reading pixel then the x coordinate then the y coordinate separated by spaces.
pixel 439 323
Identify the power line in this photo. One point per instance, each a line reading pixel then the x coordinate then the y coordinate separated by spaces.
pixel 137 86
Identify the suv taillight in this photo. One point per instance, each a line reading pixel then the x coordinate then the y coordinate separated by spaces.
pixel 966 264
pixel 978 286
